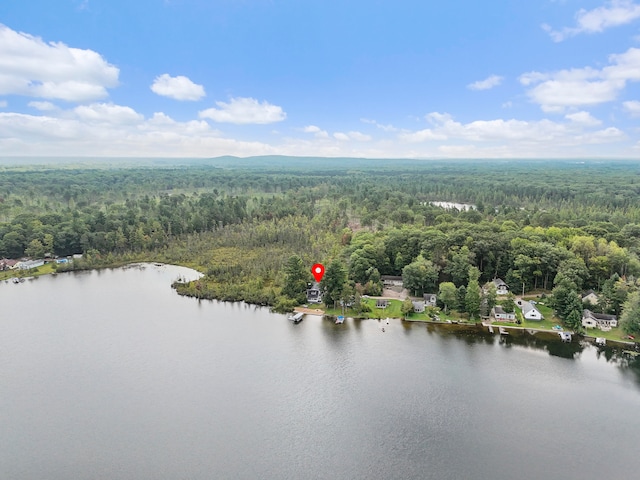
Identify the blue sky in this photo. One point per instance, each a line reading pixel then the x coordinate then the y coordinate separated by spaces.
pixel 376 78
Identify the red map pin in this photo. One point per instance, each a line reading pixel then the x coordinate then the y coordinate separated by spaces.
pixel 318 271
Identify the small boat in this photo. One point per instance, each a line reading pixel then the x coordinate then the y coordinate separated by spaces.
pixel 15 280
pixel 600 341
pixel 339 320
pixel 297 317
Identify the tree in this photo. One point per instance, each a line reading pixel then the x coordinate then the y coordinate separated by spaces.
pixel 407 307
pixel 473 296
pixel 568 304
pixel 490 296
pixel 419 275
pixel 447 294
pixel 35 249
pixel 333 282
pixel 295 280
pixel 458 265
pixel 630 318
pixel 461 294
pixel 509 305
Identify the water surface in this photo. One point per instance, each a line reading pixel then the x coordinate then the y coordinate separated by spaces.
pixel 112 375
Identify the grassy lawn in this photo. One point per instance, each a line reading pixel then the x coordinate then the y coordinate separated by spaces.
pixel 46 269
pixel 393 310
pixel 614 334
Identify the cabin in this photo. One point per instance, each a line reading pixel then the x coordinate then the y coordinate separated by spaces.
pixel 389 281
pixel 530 312
pixel 382 303
pixel 314 294
pixel 500 315
pixel 501 287
pixel 418 306
pixel 590 297
pixel 430 299
pixel 598 320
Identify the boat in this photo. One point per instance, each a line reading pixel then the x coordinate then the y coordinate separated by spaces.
pixel 565 336
pixel 297 317
pixel 601 341
pixel 339 320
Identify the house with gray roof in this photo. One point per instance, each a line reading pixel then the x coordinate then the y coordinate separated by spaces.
pixel 602 321
pixel 530 312
pixel 500 315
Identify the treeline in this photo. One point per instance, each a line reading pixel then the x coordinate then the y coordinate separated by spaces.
pixel 240 221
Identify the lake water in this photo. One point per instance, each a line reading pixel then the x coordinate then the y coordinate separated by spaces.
pixel 112 375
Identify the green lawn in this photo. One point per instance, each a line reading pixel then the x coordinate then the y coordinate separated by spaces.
pixel 394 310
pixel 47 268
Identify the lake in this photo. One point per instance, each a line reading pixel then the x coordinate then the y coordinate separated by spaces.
pixel 111 375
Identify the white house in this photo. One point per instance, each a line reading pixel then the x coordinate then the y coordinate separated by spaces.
pixel 500 315
pixel 530 312
pixel 391 281
pixel 598 320
pixel 590 297
pixel 314 294
pixel 430 299
pixel 418 306
pixel 501 287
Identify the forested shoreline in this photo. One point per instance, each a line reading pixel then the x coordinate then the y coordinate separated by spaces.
pixel 251 225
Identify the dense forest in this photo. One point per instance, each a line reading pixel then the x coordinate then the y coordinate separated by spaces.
pixel 253 225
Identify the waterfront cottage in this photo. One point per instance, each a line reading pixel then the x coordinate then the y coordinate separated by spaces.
pixel 530 312
pixel 390 281
pixel 418 306
pixel 501 287
pixel 382 303
pixel 29 264
pixel 500 315
pixel 314 294
pixel 430 299
pixel 598 320
pixel 590 297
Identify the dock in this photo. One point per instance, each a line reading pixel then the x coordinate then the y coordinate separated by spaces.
pixel 296 317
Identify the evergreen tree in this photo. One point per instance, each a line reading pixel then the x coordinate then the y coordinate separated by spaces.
pixel 630 318
pixel 333 282
pixel 447 294
pixel 296 278
pixel 460 300
pixel 472 297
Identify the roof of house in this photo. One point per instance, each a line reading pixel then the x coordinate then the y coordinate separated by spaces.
pixel 428 296
pixel 528 307
pixel 390 277
pixel 598 316
pixel 498 282
pixel 499 310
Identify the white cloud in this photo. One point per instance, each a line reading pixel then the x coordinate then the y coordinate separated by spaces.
pixel 111 130
pixel 3 103
pixel 31 67
pixel 583 118
pixel 178 88
pixel 386 128
pixel 244 111
pixel 612 14
pixel 632 107
pixel 357 136
pixel 583 86
pixel 43 106
pixel 317 131
pixel 343 137
pixel 535 135
pixel 108 113
pixel 487 83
